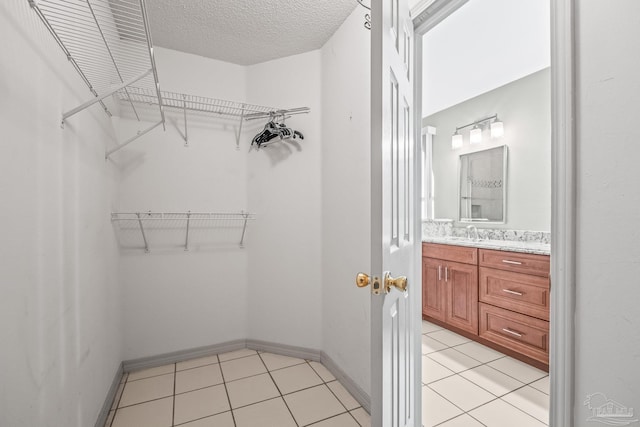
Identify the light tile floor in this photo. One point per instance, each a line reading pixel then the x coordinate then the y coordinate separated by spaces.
pixel 466 384
pixel 243 388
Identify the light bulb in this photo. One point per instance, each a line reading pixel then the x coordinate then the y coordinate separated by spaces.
pixel 456 141
pixel 475 136
pixel 497 129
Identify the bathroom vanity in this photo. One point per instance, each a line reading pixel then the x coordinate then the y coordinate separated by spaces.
pixel 496 293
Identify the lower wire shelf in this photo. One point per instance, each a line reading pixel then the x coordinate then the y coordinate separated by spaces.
pixel 143 222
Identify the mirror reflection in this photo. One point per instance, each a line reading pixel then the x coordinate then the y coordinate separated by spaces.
pixel 482 186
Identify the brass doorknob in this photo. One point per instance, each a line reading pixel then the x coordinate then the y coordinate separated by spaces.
pixel 399 283
pixel 362 280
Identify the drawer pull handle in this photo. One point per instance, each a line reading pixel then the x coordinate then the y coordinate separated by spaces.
pixel 439 272
pixel 509 291
pixel 509 331
pixel 506 261
pixel 446 274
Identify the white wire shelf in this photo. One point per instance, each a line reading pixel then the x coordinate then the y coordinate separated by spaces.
pixel 144 222
pixel 203 105
pixel 108 43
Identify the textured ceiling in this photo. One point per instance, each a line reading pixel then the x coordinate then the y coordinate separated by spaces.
pixel 245 31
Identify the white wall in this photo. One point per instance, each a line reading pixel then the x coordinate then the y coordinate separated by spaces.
pixel 607 317
pixel 524 107
pixel 484 45
pixel 284 185
pixel 60 327
pixel 346 226
pixel 176 300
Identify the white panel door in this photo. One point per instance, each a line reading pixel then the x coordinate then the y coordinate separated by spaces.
pixel 395 314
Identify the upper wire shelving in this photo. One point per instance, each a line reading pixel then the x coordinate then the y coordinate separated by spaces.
pixel 109 44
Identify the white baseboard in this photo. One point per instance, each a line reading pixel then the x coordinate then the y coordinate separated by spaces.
pixel 106 407
pixel 356 391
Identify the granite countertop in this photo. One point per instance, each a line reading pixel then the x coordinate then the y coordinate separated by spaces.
pixel 500 245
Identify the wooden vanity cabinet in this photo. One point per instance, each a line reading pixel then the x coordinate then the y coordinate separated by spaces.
pixel 514 302
pixel 500 298
pixel 450 285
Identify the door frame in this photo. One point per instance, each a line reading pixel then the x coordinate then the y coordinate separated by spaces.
pixel 563 189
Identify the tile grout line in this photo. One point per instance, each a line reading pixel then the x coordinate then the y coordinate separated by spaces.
pixel 175 380
pixel 524 384
pixel 327 384
pixel 279 391
pixel 226 390
pixel 124 384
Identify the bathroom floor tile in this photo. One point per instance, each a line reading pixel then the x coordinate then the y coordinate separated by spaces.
pixel 449 338
pixel 251 390
pixel 479 352
pixel 430 327
pixel 433 371
pixel 150 414
pixel 200 404
pixel 436 409
pixel 193 379
pixel 454 360
pixel 243 367
pixel 518 370
pixel 295 378
pixel 461 392
pixel 463 420
pixel 430 345
pixel 542 385
pixel 492 380
pixel 499 413
pixel 146 389
pixel 531 401
pixel 313 404
pixel 272 413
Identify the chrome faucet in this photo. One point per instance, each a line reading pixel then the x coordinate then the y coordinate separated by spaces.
pixel 472 228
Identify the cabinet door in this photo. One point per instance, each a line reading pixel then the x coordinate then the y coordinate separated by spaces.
pixel 461 282
pixel 432 288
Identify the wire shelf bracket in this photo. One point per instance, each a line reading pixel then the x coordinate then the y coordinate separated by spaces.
pixel 187 217
pixel 108 43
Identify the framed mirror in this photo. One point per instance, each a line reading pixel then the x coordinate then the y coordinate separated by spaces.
pixel 482 186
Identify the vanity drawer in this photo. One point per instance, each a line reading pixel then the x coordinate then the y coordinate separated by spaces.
pixel 515 261
pixel 523 293
pixel 453 253
pixel 524 334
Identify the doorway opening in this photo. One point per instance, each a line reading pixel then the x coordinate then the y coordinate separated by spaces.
pixel 542 400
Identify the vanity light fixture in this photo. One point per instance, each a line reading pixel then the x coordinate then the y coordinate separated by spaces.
pixel 456 140
pixel 497 128
pixel 475 136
